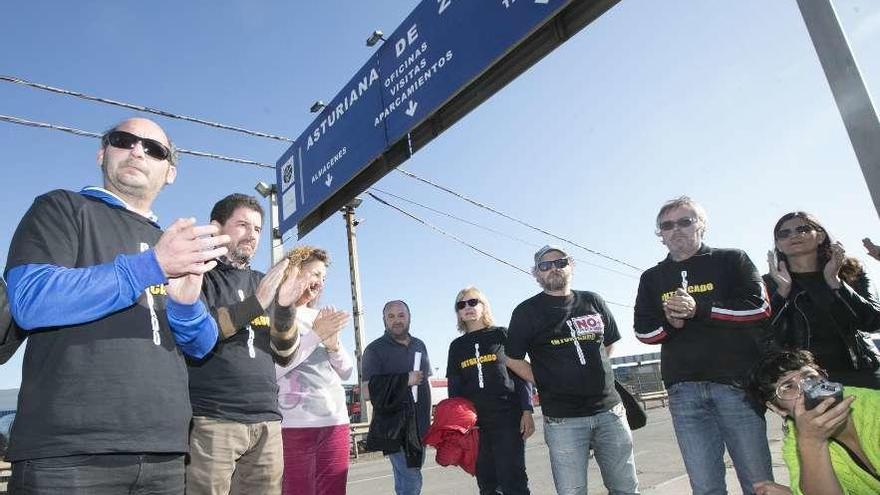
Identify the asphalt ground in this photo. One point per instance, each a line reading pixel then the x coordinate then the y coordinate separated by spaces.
pixel 658 463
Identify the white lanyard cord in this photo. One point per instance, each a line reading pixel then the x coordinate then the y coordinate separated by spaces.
pixel 577 345
pixel 250 342
pixel 479 365
pixel 154 320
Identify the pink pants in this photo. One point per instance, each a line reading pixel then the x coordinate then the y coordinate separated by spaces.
pixel 315 460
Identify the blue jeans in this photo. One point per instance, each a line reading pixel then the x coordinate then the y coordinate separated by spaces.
pixel 407 480
pixel 102 474
pixel 569 441
pixel 708 417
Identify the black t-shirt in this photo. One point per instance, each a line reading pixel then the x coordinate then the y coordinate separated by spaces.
pixel 478 362
pixel 102 386
pixel 236 380
pixel 565 338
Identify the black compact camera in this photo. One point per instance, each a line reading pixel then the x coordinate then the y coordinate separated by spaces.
pixel 817 389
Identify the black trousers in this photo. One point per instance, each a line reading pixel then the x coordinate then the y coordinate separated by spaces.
pixel 100 474
pixel 501 462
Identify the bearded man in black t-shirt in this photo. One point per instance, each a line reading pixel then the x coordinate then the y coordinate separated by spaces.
pixel 568 336
pixel 235 440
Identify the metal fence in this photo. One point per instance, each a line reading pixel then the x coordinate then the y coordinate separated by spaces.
pixel 640 378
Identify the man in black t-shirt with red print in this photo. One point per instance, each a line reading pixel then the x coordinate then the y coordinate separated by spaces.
pixel 568 336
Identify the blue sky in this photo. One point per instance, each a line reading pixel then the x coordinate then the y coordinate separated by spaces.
pixel 721 100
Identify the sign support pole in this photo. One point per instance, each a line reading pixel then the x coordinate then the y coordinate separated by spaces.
pixel 357 310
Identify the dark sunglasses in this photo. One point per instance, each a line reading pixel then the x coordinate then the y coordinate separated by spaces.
pixel 546 265
pixel 681 222
pixel 470 302
pixel 800 229
pixel 127 141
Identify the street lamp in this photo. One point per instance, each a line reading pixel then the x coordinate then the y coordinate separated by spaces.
pixel 317 106
pixel 264 189
pixel 375 38
pixel 270 191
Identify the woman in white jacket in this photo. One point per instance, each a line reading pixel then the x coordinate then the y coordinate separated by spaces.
pixel 312 366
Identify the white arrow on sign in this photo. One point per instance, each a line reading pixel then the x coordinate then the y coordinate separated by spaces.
pixel 411 110
pixel 329 180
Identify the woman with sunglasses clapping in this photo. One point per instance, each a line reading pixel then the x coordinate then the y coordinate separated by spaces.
pixel 822 301
pixel 477 370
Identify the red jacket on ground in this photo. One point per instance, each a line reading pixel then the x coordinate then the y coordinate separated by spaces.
pixel 454 434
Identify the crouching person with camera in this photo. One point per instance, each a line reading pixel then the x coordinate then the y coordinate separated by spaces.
pixel 832 436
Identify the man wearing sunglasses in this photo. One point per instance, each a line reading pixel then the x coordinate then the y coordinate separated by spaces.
pixel 569 335
pixel 110 304
pixel 708 309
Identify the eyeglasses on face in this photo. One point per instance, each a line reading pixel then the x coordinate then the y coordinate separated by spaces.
pixel 799 230
pixel 681 222
pixel 546 265
pixel 469 302
pixel 127 141
pixel 793 388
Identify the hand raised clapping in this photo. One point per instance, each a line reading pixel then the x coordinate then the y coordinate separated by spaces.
pixel 292 289
pixel 779 273
pixel 271 281
pixel 327 326
pixel 873 249
pixel 832 267
pixel 186 248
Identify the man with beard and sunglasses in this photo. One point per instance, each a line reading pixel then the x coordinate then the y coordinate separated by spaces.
pixel 393 358
pixel 708 308
pixel 109 304
pixel 235 440
pixel 569 336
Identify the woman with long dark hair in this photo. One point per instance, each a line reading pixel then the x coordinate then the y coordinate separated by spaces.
pixel 477 370
pixel 822 301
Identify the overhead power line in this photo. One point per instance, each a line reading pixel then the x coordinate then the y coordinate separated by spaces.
pixel 141 108
pixel 495 231
pixel 514 219
pixel 452 236
pixel 462 241
pixel 80 132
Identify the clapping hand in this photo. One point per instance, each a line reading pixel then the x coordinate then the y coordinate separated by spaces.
pixel 327 326
pixel 292 288
pixel 873 249
pixel 187 248
pixel 832 267
pixel 185 289
pixel 779 273
pixel 271 281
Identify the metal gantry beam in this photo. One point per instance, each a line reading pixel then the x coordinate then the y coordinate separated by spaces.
pixel 850 93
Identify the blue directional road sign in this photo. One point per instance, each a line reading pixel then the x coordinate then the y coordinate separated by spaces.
pixel 333 149
pixel 441 47
pixel 445 44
